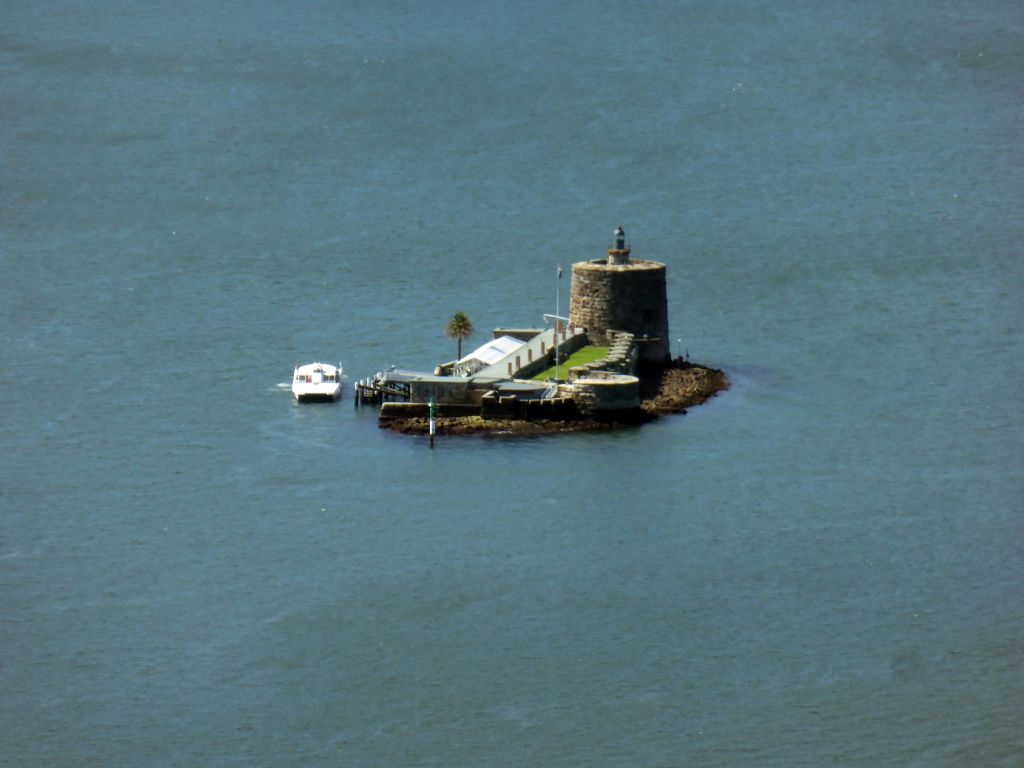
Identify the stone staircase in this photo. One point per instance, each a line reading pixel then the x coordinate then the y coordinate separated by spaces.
pixel 621 357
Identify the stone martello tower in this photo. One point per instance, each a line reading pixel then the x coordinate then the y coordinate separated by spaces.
pixel 622 294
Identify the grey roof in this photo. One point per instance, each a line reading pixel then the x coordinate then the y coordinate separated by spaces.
pixel 413 377
pixel 521 386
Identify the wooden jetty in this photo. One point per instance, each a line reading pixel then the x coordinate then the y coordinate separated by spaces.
pixel 382 387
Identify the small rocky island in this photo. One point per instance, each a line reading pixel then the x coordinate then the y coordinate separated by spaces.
pixel 669 391
pixel 606 365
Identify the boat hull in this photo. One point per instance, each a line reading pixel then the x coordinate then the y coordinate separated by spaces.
pixel 317 397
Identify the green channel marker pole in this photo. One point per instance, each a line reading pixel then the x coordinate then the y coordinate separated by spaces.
pixel 432 412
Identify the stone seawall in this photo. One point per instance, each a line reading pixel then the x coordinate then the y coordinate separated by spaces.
pixel 663 390
pixel 422 410
pixel 607 391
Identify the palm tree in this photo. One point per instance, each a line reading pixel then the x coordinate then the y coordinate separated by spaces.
pixel 459 327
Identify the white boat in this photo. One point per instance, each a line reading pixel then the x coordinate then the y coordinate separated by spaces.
pixel 316 382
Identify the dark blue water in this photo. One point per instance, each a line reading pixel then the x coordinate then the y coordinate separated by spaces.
pixel 820 567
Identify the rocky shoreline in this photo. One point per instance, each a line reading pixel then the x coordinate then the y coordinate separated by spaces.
pixel 663 391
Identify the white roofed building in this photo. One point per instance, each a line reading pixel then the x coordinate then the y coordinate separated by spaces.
pixel 489 354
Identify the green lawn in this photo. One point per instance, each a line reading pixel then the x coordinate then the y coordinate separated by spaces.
pixel 579 357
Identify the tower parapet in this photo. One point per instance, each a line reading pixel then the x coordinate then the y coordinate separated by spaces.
pixel 622 294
